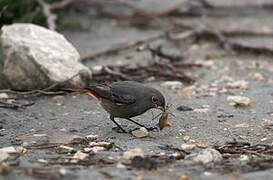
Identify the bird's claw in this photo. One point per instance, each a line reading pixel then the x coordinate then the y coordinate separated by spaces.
pixel 119 130
pixel 153 128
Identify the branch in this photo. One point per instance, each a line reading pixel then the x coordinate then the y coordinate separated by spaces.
pixel 50 17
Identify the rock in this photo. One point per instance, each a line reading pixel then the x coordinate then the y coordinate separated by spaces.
pixel 42 161
pixel 97 149
pixel 62 149
pixel 242 125
pixel 120 165
pixel 242 84
pixel 4 95
pixel 201 110
pixel 257 77
pixel 63 171
pixel 188 147
pixel 36 57
pixel 172 84
pixel 130 154
pixel 9 149
pixel 104 144
pixel 184 108
pixel 206 156
pixel 80 155
pixel 91 137
pixel 3 155
pixel 239 100
pixel 140 133
pixel 75 139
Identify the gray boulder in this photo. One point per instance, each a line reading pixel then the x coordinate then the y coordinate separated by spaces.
pixel 35 58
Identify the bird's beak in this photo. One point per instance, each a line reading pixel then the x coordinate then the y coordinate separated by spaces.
pixel 160 108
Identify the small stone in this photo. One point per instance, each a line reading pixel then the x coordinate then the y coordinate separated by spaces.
pixel 4 96
pixel 120 165
pixel 239 101
pixel 97 68
pixel 62 171
pixel 244 158
pixel 3 155
pixel 43 161
pixel 130 154
pixel 242 84
pixel 184 177
pixel 21 150
pixel 75 139
pixel 39 135
pixel 186 138
pixel 184 108
pixel 62 149
pixel 206 173
pixel 80 155
pixel 263 139
pixel 188 147
pixel 91 137
pixel 101 144
pixel 257 77
pixel 243 125
pixel 205 63
pixel 201 110
pixel 140 133
pixel 97 149
pixel 202 144
pixel 206 156
pixel 173 85
pixel 10 149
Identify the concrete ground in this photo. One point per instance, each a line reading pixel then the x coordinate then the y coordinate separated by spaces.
pixel 53 120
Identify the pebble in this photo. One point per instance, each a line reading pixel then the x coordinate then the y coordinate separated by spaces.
pixel 130 154
pixel 140 133
pixel 80 155
pixel 206 156
pixel 173 85
pixel 4 96
pixel 239 101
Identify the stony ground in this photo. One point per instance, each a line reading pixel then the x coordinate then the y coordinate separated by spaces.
pixel 203 115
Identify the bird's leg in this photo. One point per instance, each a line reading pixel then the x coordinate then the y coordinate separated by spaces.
pixel 113 119
pixel 141 125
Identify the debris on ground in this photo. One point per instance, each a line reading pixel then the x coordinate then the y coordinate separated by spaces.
pixel 80 155
pixel 140 132
pixel 240 101
pixel 242 84
pixel 206 156
pixel 257 77
pixel 130 154
pixel 173 85
pixel 184 108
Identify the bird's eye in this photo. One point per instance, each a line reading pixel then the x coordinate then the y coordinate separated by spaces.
pixel 154 99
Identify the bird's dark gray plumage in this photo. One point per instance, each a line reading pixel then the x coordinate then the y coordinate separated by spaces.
pixel 126 99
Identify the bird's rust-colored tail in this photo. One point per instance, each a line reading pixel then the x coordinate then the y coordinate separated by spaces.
pixel 87 91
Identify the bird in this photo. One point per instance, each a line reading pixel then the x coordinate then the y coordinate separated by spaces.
pixel 126 99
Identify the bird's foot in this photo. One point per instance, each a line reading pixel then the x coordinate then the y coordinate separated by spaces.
pixel 153 128
pixel 119 130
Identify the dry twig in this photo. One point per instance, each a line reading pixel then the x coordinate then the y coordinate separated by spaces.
pixel 50 17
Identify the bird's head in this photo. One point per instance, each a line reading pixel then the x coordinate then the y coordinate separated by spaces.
pixel 158 100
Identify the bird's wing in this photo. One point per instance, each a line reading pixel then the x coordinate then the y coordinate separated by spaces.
pixel 119 95
pixel 122 95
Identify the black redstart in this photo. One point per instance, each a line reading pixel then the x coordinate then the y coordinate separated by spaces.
pixel 126 99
